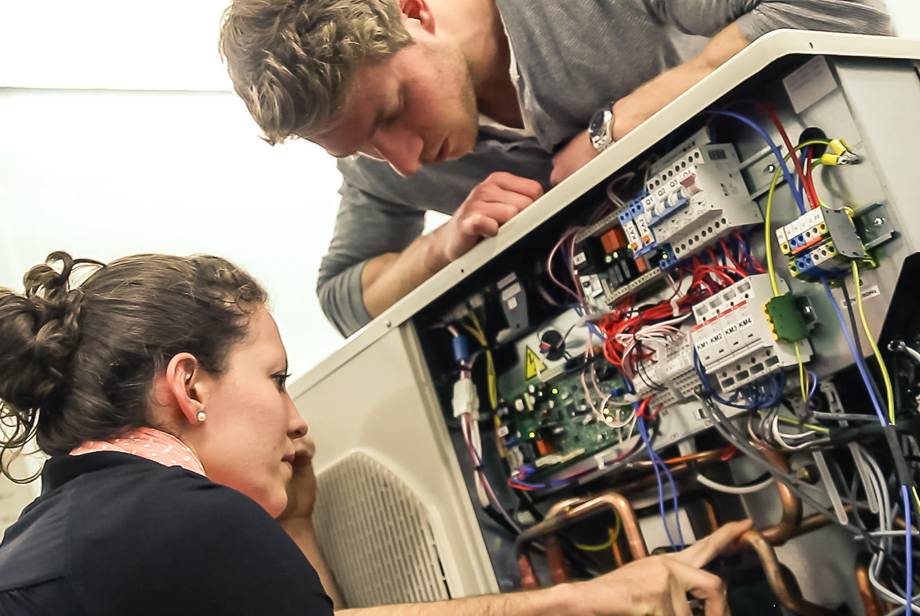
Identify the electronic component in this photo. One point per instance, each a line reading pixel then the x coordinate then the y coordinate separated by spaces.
pixel 694 200
pixel 820 243
pixel 790 317
pixel 733 339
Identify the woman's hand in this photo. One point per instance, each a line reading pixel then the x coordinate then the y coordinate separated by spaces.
pixel 301 490
pixel 660 585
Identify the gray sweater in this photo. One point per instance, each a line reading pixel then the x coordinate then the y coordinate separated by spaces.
pixel 571 58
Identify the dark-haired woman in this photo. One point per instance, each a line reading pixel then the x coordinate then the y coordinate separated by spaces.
pixel 157 387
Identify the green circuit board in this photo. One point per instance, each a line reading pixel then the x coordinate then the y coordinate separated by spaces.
pixel 550 426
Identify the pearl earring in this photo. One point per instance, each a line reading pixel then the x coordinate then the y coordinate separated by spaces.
pixel 202 416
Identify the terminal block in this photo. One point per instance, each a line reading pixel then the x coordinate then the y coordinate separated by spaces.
pixel 791 318
pixel 820 243
pixel 668 372
pixel 693 201
pixel 733 338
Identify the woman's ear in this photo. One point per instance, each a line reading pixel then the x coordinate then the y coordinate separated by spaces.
pixel 186 382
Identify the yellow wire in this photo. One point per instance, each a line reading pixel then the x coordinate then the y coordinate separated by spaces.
pixel 768 236
pixel 476 330
pixel 612 533
pixel 803 376
pixel 768 215
pixel 916 497
pixel 889 390
pixel 794 421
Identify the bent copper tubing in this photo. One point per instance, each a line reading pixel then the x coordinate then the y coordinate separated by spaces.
pixel 866 591
pixel 791 518
pixel 555 560
pixel 565 518
pixel 784 586
pixel 710 514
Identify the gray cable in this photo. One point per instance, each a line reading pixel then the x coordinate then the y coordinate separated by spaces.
pixel 729 432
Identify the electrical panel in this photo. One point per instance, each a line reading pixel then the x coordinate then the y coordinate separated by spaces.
pixel 718 326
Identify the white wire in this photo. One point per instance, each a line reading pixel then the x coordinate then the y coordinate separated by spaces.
pixel 757 487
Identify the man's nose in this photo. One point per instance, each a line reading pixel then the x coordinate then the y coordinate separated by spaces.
pixel 399 148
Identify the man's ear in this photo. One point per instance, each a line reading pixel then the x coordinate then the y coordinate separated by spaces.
pixel 186 381
pixel 420 11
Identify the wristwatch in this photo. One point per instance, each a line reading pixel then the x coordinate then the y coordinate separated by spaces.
pixel 600 130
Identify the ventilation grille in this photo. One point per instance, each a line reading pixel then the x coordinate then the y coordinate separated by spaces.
pixel 376 535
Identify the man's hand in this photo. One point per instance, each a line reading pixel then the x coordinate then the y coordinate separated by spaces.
pixel 572 157
pixel 660 585
pixel 301 490
pixel 491 204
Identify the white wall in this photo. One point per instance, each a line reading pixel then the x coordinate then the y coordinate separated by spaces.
pixel 103 174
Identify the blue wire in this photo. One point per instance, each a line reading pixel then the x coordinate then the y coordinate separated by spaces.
pixel 800 182
pixel 664 518
pixel 814 386
pixel 779 155
pixel 860 364
pixel 909 539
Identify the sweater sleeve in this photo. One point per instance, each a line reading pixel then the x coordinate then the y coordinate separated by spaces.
pixel 758 17
pixel 202 549
pixel 367 225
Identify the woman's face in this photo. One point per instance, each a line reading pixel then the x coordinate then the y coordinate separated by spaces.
pixel 246 440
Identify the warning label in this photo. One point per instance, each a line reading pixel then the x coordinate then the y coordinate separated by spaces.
pixel 533 365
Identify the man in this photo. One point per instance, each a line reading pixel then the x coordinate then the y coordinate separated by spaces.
pixel 471 107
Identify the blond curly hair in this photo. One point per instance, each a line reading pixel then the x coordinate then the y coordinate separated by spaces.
pixel 292 61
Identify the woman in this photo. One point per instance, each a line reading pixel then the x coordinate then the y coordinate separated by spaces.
pixel 157 386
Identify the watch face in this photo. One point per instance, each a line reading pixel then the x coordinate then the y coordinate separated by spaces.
pixel 598 129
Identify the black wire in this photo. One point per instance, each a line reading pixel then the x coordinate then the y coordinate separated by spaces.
pixel 855 328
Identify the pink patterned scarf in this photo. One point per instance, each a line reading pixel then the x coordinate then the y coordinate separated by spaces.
pixel 151 444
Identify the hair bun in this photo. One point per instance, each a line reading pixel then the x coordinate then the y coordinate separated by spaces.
pixel 39 331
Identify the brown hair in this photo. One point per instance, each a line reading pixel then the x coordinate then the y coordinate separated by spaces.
pixel 292 61
pixel 77 361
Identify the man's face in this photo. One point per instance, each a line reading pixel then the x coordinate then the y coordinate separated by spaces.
pixel 417 108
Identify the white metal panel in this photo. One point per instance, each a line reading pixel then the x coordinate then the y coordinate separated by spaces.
pixel 381 402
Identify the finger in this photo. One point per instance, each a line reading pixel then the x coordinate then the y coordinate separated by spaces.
pixel 679 604
pixel 304 450
pixel 702 585
pixel 495 194
pixel 500 211
pixel 517 184
pixel 709 547
pixel 479 225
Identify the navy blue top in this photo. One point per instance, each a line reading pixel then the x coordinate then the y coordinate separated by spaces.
pixel 117 534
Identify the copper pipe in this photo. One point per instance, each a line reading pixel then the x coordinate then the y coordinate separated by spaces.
pixel 867 592
pixel 555 560
pixel 710 513
pixel 528 580
pixel 783 584
pixel 649 481
pixel 563 519
pixel 617 554
pixel 563 505
pixel 791 518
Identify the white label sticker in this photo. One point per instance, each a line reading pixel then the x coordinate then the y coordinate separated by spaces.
pixel 511 291
pixel 579 258
pixel 744 322
pixel 867 294
pixel 809 83
pixel 502 431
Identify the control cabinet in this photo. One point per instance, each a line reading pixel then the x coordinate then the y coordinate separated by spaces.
pixel 713 320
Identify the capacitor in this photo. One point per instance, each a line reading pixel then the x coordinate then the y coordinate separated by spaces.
pixel 519 404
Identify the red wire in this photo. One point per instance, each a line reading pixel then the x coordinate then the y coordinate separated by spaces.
pixel 768 111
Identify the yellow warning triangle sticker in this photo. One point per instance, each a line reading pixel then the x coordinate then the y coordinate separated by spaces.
pixel 533 365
